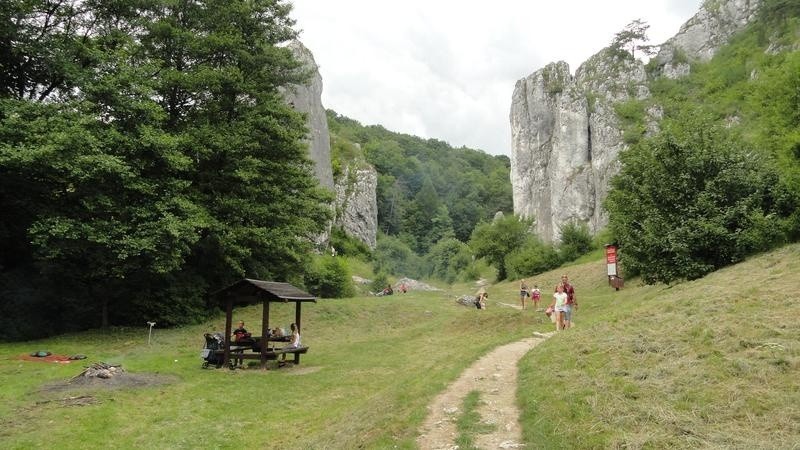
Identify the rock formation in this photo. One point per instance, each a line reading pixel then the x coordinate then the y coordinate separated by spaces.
pixel 702 35
pixel 356 210
pixel 356 202
pixel 566 136
pixel 308 100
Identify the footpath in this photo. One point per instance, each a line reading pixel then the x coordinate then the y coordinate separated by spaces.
pixel 494 376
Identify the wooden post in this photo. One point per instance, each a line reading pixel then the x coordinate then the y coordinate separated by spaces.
pixel 297 322
pixel 297 316
pixel 264 328
pixel 228 319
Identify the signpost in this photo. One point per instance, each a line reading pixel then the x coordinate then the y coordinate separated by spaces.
pixel 611 264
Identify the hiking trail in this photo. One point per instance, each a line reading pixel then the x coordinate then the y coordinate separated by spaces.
pixel 495 377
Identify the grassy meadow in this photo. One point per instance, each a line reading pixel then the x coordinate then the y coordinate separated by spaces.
pixel 373 365
pixel 711 363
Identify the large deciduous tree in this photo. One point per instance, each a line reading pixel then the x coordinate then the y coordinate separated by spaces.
pixel 155 158
pixel 497 239
pixel 695 198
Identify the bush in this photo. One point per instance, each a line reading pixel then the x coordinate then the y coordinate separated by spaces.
pixel 575 242
pixel 693 199
pixel 533 257
pixel 329 277
pixel 380 282
pixel 447 259
pixel 347 245
pixel 395 257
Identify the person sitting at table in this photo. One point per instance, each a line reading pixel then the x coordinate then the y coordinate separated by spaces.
pixel 240 333
pixel 295 342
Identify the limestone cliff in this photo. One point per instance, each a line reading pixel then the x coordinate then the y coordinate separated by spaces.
pixel 356 202
pixel 702 35
pixel 308 100
pixel 355 207
pixel 565 134
pixel 565 139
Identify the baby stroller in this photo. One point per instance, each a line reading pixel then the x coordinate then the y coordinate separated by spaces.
pixel 214 342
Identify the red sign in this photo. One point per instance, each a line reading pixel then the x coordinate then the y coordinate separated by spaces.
pixel 611 254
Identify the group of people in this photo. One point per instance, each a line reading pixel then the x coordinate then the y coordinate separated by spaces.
pixel 535 294
pixel 388 290
pixel 562 306
pixel 240 334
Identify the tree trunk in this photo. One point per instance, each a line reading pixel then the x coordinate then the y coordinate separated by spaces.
pixel 104 319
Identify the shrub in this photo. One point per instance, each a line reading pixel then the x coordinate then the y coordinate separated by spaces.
pixel 694 198
pixel 533 257
pixel 329 277
pixel 347 245
pixel 575 242
pixel 447 259
pixel 380 281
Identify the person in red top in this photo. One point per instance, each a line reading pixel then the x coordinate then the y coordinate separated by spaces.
pixel 572 303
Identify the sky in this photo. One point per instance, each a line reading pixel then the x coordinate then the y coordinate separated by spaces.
pixel 446 69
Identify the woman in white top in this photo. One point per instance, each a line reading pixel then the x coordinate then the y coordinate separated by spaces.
pixel 295 342
pixel 560 305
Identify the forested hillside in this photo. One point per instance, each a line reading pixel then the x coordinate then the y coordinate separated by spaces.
pixel 427 190
pixel 720 179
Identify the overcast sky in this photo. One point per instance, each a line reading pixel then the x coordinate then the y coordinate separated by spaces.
pixel 446 69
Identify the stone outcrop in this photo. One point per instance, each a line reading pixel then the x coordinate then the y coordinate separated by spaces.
pixel 565 139
pixel 702 35
pixel 308 100
pixel 356 202
pixel 566 136
pixel 356 210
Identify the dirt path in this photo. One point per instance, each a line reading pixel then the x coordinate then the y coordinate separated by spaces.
pixel 495 377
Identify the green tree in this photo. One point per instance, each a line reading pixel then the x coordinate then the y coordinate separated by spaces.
pixel 695 198
pixel 495 240
pixel 631 38
pixel 447 259
pixel 159 160
pixel 575 241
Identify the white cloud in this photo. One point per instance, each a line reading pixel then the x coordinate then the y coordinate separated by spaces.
pixel 446 69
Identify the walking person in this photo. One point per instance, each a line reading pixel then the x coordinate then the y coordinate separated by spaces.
pixel 536 295
pixel 572 303
pixel 559 306
pixel 523 292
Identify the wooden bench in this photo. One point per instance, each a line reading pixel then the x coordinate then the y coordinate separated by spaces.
pixel 238 353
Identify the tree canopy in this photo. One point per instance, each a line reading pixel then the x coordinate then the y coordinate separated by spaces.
pixel 147 157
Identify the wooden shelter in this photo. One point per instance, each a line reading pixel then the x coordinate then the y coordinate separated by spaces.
pixel 248 292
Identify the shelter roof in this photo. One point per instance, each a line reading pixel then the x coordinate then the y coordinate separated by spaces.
pixel 247 291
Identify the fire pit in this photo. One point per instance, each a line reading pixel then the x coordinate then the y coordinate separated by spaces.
pixel 100 370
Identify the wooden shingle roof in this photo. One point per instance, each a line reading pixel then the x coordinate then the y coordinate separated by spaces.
pixel 248 291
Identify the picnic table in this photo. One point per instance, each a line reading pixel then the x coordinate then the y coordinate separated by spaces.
pixel 250 348
pixel 249 291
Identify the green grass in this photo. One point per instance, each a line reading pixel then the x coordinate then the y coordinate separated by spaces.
pixel 469 422
pixel 708 363
pixel 374 365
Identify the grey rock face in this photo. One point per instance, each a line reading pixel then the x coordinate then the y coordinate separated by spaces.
pixel 356 203
pixel 565 134
pixel 702 35
pixel 308 99
pixel 565 140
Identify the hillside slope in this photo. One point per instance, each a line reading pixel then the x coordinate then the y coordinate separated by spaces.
pixel 708 363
